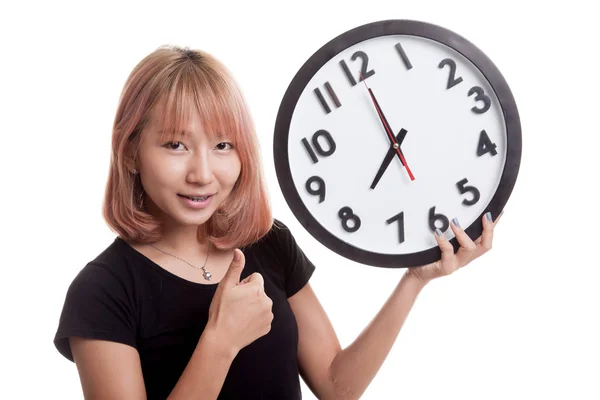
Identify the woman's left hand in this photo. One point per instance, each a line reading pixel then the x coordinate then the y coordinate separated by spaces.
pixel 450 262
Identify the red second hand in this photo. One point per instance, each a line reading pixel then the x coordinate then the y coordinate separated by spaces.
pixel 392 138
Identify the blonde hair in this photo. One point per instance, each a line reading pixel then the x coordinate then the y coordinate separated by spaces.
pixel 175 78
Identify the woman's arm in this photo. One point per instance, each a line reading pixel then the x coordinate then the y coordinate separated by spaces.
pixel 110 370
pixel 205 373
pixel 372 346
pixel 333 373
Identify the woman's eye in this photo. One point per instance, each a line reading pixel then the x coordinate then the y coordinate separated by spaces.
pixel 224 146
pixel 173 145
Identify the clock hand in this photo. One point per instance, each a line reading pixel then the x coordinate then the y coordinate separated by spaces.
pixel 389 131
pixel 391 153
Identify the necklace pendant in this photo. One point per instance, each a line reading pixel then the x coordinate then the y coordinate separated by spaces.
pixel 207 275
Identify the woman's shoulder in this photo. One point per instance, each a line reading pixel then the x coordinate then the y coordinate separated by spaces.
pixel 279 246
pixel 99 302
pixel 279 242
pixel 113 265
pixel 278 234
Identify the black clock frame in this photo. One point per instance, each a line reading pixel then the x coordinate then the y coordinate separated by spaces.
pixel 330 50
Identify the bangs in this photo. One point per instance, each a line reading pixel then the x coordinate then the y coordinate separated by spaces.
pixel 205 90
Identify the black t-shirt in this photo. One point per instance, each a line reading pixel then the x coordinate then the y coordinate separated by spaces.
pixel 123 296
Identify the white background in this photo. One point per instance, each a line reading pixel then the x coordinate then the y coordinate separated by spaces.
pixel 522 322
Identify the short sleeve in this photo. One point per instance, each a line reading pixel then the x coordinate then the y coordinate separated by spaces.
pixel 298 268
pixel 97 306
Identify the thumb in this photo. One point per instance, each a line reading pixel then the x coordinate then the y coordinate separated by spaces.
pixel 232 276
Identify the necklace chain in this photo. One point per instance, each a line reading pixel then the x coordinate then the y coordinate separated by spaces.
pixel 207 275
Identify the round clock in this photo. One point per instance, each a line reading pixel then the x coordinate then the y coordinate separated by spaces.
pixel 391 130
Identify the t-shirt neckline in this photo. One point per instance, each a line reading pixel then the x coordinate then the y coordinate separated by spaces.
pixel 161 270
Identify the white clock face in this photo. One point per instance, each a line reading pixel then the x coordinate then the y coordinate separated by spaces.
pixel 448 126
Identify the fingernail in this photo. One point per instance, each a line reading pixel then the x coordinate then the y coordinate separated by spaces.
pixel 438 232
pixel 455 222
pixel 488 216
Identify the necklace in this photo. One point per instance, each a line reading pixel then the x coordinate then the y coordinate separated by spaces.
pixel 207 275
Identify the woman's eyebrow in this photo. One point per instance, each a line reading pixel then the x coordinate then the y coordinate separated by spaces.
pixel 183 133
pixel 190 133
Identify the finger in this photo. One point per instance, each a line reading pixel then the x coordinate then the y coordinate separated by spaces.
pixel 485 224
pixel 498 217
pixel 252 278
pixel 256 279
pixel 466 243
pixel 448 259
pixel 488 232
pixel 232 276
pixel 467 247
pixel 255 283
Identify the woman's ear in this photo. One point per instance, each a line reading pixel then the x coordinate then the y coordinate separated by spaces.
pixel 130 154
pixel 129 158
pixel 130 164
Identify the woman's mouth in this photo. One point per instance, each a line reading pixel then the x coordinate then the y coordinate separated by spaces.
pixel 196 202
pixel 196 198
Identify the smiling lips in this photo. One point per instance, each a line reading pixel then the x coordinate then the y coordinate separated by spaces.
pixel 195 195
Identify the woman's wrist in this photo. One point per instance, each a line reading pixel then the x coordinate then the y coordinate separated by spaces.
pixel 223 349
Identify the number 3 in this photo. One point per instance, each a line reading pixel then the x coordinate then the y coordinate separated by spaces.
pixel 481 96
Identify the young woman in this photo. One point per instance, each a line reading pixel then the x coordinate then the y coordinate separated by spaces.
pixel 203 294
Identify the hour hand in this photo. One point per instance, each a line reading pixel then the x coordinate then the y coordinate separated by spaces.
pixel 391 153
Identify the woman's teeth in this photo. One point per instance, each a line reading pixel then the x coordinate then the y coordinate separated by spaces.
pixel 197 198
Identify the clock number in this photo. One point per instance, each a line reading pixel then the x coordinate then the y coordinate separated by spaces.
pixel 402 54
pixel 346 214
pixel 332 95
pixel 317 145
pixel 364 74
pixel 485 145
pixel 348 73
pixel 481 96
pixel 400 218
pixel 319 191
pixel 433 218
pixel 452 81
pixel 463 188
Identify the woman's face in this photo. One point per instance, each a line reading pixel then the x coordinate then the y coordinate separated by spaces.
pixel 195 164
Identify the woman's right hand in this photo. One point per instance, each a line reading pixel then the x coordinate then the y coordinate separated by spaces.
pixel 240 312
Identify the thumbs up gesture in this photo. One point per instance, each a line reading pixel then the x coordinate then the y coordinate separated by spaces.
pixel 240 312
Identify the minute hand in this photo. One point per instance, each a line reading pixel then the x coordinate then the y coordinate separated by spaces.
pixel 389 133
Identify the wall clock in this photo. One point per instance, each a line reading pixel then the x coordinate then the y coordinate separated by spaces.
pixel 389 131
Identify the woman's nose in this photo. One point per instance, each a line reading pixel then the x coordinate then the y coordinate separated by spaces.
pixel 200 170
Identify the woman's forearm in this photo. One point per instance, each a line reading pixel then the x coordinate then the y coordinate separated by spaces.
pixel 354 367
pixel 205 373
